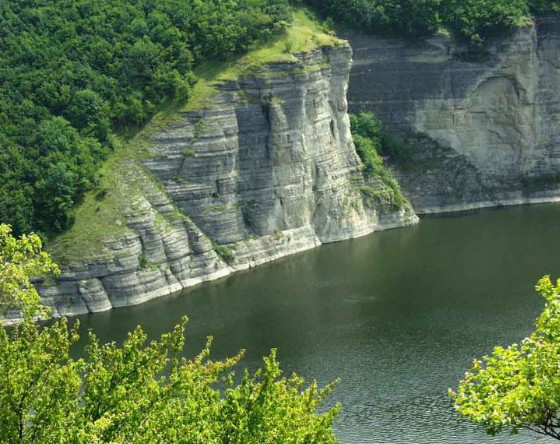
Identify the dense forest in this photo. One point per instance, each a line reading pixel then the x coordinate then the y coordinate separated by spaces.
pixel 474 20
pixel 75 72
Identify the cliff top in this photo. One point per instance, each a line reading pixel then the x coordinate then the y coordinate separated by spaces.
pixel 303 34
pixel 122 177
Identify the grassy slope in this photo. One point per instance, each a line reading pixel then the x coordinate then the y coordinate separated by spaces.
pixel 303 34
pixel 122 177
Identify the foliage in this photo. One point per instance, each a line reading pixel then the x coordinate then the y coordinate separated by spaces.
pixel 143 391
pixel 545 6
pixel 224 252
pixel 20 260
pixel 477 19
pixel 473 20
pixel 370 139
pixel 147 392
pixel 368 125
pixel 418 17
pixel 267 407
pixel 519 386
pixel 74 71
pixel 143 261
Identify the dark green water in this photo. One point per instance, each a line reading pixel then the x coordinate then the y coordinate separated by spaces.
pixel 397 315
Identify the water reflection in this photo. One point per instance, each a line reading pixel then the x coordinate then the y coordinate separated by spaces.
pixel 398 315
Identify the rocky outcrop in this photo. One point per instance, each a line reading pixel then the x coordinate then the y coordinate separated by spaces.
pixel 266 170
pixel 484 127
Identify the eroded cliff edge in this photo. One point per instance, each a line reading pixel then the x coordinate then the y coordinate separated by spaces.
pixel 484 128
pixel 266 169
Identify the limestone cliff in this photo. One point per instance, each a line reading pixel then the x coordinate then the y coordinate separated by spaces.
pixel 484 128
pixel 268 168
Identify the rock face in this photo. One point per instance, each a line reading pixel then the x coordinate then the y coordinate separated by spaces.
pixel 484 128
pixel 267 170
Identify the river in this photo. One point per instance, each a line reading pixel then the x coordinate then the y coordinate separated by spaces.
pixel 397 315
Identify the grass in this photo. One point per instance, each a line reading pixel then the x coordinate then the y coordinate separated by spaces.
pixel 224 252
pixel 123 178
pixel 98 216
pixel 303 34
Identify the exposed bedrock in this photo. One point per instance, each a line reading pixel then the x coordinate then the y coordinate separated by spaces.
pixel 484 128
pixel 267 170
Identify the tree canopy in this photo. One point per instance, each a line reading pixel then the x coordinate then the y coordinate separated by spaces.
pixel 21 259
pixel 141 391
pixel 74 71
pixel 518 387
pixel 474 20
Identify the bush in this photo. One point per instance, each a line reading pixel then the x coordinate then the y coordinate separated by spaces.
pixel 518 386
pixel 224 252
pixel 370 140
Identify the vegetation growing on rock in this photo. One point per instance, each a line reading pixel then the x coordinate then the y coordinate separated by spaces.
pixel 122 177
pixel 371 141
pixel 77 72
pixel 473 20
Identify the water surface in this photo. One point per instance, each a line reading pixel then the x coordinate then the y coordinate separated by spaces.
pixel 397 315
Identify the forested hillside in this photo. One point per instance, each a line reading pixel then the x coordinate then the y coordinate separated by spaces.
pixel 76 72
pixel 474 20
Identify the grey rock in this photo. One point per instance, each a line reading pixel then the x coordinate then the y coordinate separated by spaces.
pixel 268 170
pixel 484 132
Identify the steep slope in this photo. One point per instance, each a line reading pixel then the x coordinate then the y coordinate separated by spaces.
pixel 483 128
pixel 264 168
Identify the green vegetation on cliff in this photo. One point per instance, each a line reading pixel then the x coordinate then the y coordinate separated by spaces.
pixel 78 72
pixel 122 179
pixel 74 72
pixel 473 20
pixel 371 141
pixel 304 33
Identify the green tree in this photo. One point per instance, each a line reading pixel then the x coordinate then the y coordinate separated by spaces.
pixel 76 71
pixel 90 113
pixel 518 387
pixel 21 259
pixel 473 20
pixel 477 19
pixel 140 392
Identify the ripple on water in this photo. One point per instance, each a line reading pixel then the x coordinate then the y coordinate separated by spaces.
pixel 398 316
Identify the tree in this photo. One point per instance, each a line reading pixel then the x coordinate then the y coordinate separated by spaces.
pixel 473 20
pixel 518 387
pixel 19 260
pixel 76 73
pixel 477 19
pixel 90 113
pixel 140 392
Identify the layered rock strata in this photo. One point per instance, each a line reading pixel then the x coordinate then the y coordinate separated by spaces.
pixel 266 170
pixel 483 128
